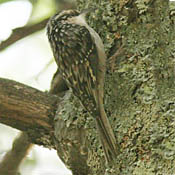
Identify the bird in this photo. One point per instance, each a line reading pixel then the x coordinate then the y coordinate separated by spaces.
pixel 80 56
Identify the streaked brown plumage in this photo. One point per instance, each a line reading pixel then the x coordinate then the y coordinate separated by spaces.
pixel 79 54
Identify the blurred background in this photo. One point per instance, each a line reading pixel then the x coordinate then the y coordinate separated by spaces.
pixel 29 60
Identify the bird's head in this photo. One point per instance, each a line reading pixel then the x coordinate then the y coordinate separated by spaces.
pixel 68 16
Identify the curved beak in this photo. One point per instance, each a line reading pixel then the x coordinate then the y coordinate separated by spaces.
pixel 85 11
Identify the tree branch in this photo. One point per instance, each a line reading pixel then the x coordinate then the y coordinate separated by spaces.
pixel 11 161
pixel 28 109
pixel 21 32
pixel 21 145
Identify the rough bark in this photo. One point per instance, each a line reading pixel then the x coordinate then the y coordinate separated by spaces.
pixel 139 98
pixel 29 110
pixel 139 93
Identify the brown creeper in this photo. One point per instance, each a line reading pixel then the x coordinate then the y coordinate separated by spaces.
pixel 79 54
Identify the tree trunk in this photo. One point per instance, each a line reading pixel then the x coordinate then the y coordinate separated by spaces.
pixel 139 38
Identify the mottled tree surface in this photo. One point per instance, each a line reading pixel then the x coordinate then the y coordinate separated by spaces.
pixel 139 38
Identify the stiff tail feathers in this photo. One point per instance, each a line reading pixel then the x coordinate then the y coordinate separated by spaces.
pixel 107 137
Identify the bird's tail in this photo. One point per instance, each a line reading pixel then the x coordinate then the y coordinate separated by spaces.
pixel 106 136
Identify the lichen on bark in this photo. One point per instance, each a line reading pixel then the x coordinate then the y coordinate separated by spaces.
pixel 139 86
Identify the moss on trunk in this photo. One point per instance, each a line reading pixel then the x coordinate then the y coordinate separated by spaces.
pixel 139 38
